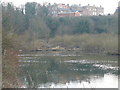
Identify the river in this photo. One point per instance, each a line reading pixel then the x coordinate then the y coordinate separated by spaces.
pixel 73 70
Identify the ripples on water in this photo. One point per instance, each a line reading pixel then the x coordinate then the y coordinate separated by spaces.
pixel 64 72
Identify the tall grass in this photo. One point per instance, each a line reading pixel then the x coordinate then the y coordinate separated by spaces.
pixel 104 41
pixel 10 66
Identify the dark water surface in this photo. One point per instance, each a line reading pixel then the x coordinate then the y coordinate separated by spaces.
pixel 63 70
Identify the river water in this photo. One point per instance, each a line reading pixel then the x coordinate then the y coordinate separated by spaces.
pixel 60 70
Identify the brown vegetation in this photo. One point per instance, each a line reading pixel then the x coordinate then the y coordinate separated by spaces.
pixel 10 66
pixel 10 69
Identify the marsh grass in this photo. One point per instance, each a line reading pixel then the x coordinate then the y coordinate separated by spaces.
pixel 104 42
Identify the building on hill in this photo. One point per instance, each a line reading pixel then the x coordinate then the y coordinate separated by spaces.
pixel 92 10
pixel 75 10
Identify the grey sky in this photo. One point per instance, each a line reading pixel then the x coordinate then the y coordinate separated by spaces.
pixel 109 5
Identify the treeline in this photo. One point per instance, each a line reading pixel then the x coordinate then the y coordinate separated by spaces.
pixel 31 25
pixel 35 19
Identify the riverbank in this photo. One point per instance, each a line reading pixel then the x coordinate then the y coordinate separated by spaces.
pixel 10 69
pixel 88 43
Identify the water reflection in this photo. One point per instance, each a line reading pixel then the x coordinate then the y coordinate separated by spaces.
pixel 71 72
pixel 93 83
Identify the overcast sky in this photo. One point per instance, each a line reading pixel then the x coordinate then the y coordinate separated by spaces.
pixel 109 5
